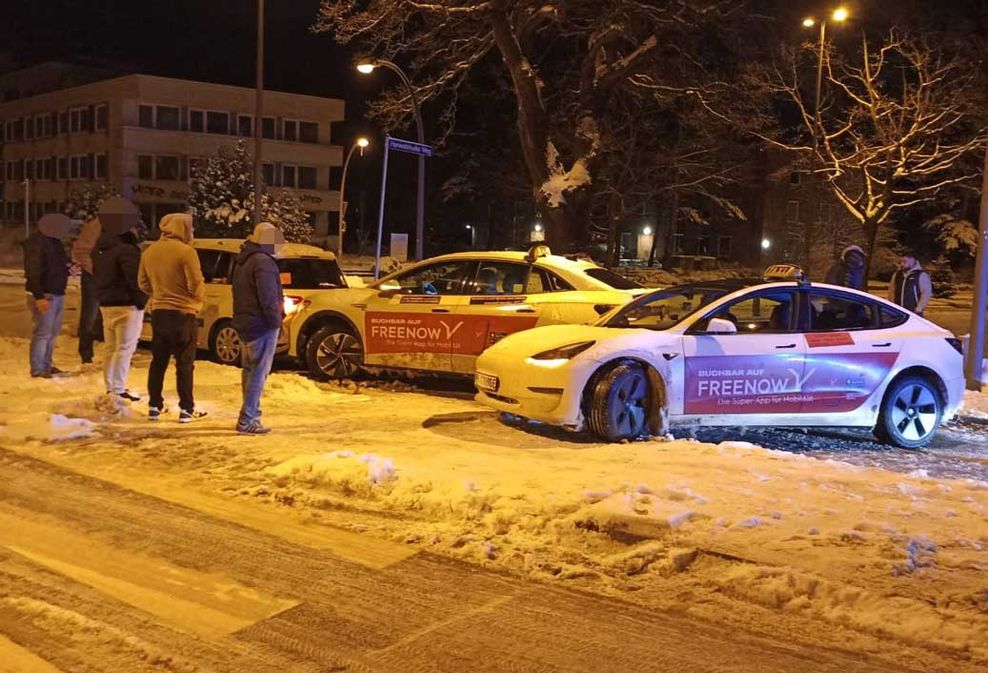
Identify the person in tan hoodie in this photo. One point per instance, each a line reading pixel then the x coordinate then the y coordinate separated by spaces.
pixel 171 276
pixel 90 323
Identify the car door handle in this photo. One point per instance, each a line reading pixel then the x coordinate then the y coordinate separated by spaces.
pixel 787 346
pixel 525 310
pixel 440 310
pixel 884 345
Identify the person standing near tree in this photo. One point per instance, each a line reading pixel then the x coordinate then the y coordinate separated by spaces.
pixel 90 324
pixel 258 311
pixel 115 268
pixel 911 286
pixel 171 276
pixel 46 273
pixel 849 270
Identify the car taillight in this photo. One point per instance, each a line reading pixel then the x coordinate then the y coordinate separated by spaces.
pixel 294 304
pixel 957 344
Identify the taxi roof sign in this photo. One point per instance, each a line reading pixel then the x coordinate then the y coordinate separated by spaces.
pixel 785 272
pixel 536 251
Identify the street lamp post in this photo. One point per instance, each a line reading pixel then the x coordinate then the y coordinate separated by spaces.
pixel 367 68
pixel 359 143
pixel 258 113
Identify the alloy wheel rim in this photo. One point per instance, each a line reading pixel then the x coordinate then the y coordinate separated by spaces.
pixel 914 412
pixel 628 405
pixel 227 344
pixel 339 354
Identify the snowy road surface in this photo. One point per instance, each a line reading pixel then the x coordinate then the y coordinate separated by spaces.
pixel 97 577
pixel 383 529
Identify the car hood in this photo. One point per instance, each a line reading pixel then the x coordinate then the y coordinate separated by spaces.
pixel 608 340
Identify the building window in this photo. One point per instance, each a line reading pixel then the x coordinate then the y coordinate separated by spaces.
pixel 79 167
pixel 287 176
pixel 792 211
pixel 79 120
pixel 197 121
pixel 267 174
pixel 724 247
pixel 306 177
pixel 53 124
pixel 102 117
pixel 703 245
pixel 795 177
pixel 99 169
pixel 166 168
pixel 145 167
pixel 28 169
pixel 28 128
pixel 18 130
pixel 167 118
pixel 245 125
pixel 218 122
pixel 678 243
pixel 196 164
pixel 63 123
pixel 267 128
pixel 63 168
pixel 308 132
pixel 290 130
pixel 145 116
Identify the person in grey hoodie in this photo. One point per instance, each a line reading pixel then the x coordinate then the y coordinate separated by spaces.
pixel 258 311
pixel 911 287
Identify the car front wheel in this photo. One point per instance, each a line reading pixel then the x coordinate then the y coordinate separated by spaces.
pixel 334 352
pixel 225 346
pixel 910 414
pixel 619 402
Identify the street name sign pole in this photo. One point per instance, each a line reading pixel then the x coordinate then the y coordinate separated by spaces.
pixel 398 145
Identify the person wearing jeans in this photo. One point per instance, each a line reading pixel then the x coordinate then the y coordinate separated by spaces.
pixel 258 311
pixel 115 265
pixel 171 276
pixel 46 274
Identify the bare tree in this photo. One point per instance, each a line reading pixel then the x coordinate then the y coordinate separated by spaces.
pixel 890 130
pixel 567 61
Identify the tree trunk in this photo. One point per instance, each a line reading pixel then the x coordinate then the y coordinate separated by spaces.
pixel 871 229
pixel 615 213
pixel 671 234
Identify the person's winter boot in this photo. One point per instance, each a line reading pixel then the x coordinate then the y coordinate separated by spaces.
pixel 189 416
pixel 252 428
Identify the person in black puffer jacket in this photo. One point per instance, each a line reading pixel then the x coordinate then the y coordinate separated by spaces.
pixel 258 311
pixel 121 304
pixel 46 274
pixel 849 270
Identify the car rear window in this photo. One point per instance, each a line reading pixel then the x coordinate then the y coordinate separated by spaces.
pixel 612 279
pixel 310 273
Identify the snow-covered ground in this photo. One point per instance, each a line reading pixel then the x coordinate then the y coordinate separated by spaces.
pixel 816 550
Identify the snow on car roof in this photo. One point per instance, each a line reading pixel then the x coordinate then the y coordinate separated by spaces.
pixel 289 249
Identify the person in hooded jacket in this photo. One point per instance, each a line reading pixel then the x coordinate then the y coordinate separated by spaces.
pixel 121 302
pixel 849 270
pixel 911 287
pixel 258 311
pixel 171 276
pixel 46 274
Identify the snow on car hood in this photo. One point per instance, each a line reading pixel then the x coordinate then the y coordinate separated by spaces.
pixel 609 339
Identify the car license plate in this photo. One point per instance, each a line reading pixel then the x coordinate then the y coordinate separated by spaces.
pixel 485 382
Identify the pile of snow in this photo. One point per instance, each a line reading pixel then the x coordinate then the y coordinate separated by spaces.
pixel 975 404
pixel 46 427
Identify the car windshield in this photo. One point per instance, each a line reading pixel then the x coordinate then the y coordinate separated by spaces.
pixel 310 273
pixel 612 279
pixel 663 309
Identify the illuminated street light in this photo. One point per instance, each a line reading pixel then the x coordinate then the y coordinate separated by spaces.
pixel 538 227
pixel 647 231
pixel 839 15
pixel 365 68
pixel 360 143
pixel 766 244
pixel 808 22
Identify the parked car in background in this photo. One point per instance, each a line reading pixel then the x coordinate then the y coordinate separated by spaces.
pixel 777 351
pixel 438 315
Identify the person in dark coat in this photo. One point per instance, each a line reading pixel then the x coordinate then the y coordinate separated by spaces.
pixel 258 311
pixel 849 270
pixel 911 287
pixel 121 302
pixel 46 273
pixel 90 325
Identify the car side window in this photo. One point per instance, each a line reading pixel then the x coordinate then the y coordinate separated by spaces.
pixel 831 312
pixel 889 317
pixel 766 312
pixel 494 278
pixel 547 281
pixel 441 278
pixel 215 265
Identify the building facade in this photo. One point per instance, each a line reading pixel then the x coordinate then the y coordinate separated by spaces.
pixel 144 134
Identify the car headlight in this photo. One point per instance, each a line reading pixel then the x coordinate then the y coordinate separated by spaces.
pixel 564 352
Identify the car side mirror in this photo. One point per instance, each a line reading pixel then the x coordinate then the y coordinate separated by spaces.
pixel 720 326
pixel 388 293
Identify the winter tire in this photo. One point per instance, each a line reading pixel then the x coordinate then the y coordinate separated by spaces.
pixel 334 352
pixel 619 403
pixel 225 346
pixel 911 413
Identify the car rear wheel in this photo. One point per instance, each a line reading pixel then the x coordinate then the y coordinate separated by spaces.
pixel 334 352
pixel 911 413
pixel 618 405
pixel 225 346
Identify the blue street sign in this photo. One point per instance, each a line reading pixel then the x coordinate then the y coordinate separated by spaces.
pixel 410 147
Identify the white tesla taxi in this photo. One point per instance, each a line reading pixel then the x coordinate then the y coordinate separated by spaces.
pixel 776 351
